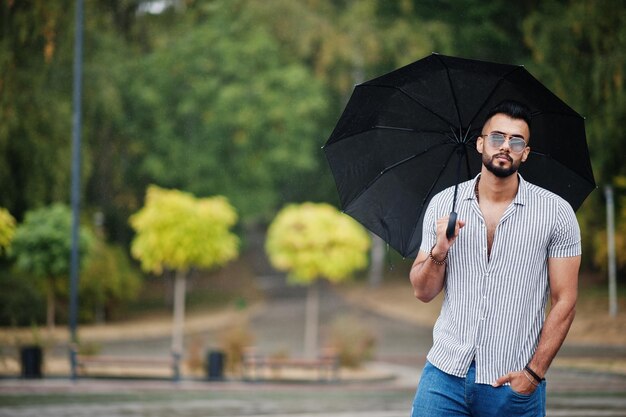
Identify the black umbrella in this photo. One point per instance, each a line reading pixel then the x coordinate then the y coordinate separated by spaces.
pixel 411 133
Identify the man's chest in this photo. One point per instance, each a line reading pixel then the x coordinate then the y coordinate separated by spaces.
pixel 515 234
pixel 491 215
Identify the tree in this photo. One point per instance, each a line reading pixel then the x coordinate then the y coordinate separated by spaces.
pixel 490 30
pixel 579 50
pixel 35 106
pixel 177 231
pixel 311 242
pixel 218 110
pixel 107 280
pixel 42 246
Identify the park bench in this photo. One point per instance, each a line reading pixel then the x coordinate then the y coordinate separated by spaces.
pixel 258 367
pixel 126 363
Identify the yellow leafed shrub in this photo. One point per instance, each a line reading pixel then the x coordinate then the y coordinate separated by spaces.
pixel 176 230
pixel 315 240
pixel 7 228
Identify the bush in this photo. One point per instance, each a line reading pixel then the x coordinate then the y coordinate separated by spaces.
pixel 234 343
pixel 353 342
pixel 21 303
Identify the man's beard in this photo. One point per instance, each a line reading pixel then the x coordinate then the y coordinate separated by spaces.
pixel 497 170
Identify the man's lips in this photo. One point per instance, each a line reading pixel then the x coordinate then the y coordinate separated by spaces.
pixel 503 157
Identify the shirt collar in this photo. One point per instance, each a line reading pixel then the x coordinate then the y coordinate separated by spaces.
pixel 520 197
pixel 468 192
pixel 522 191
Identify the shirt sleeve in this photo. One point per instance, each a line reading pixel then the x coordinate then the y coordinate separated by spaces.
pixel 429 228
pixel 565 241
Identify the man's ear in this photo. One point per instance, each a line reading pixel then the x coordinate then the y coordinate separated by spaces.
pixel 525 154
pixel 480 142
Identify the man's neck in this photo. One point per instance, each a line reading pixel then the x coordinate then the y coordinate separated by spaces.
pixel 496 189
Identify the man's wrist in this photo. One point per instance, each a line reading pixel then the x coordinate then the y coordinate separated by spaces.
pixel 530 378
pixel 533 374
pixel 436 258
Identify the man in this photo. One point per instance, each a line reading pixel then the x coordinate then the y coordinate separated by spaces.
pixel 515 245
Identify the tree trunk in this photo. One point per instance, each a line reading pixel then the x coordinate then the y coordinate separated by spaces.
pixel 50 313
pixel 377 265
pixel 179 312
pixel 312 320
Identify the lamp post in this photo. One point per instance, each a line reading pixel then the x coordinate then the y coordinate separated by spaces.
pixel 75 195
pixel 610 232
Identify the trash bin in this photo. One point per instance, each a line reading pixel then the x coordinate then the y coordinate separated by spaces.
pixel 31 358
pixel 215 365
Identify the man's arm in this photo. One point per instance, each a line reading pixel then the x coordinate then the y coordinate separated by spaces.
pixel 427 275
pixel 563 276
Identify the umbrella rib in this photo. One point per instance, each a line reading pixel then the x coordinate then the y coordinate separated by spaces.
pixel 386 169
pixel 467 165
pixel 493 91
pixel 430 191
pixel 403 91
pixel 403 129
pixel 549 156
pixel 456 106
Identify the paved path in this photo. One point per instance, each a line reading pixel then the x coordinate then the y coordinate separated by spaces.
pixel 279 327
pixel 281 324
pixel 105 398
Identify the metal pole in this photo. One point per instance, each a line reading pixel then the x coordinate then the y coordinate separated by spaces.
pixel 76 127
pixel 610 232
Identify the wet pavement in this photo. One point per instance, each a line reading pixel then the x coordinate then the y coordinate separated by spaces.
pixel 400 352
pixel 105 398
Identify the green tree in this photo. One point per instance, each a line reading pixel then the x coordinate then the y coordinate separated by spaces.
pixel 35 107
pixel 491 30
pixel 176 231
pixel 217 110
pixel 579 50
pixel 341 44
pixel 117 35
pixel 42 246
pixel 312 242
pixel 107 281
pixel 592 37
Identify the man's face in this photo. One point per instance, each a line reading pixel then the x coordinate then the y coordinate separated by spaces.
pixel 501 160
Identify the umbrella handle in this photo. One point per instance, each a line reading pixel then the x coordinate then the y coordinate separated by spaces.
pixel 451 225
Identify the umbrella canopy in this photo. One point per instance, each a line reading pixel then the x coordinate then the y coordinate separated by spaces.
pixel 411 133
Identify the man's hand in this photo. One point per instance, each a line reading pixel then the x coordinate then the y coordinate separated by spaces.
pixel 520 382
pixel 443 244
pixel 427 277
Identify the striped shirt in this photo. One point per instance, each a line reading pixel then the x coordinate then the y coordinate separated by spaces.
pixel 494 308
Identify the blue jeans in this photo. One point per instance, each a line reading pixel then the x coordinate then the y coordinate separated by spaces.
pixel 440 394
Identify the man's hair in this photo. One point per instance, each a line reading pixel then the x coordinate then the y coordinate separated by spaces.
pixel 513 109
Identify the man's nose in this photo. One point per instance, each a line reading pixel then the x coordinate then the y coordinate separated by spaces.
pixel 506 144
